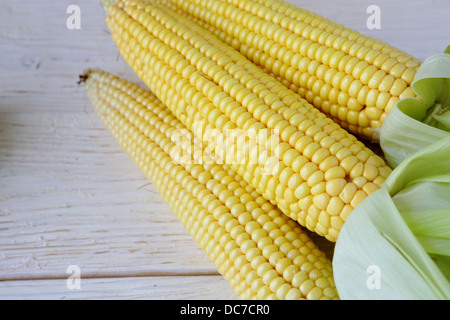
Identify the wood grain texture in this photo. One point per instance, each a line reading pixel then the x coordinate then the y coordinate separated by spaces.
pixel 70 196
pixel 137 288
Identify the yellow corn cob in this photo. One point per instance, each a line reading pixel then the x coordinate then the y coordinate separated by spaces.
pixel 296 157
pixel 354 79
pixel 261 252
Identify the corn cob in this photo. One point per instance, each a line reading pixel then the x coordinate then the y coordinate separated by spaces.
pixel 296 157
pixel 354 79
pixel 261 252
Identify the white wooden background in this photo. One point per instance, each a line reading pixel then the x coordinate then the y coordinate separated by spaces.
pixel 69 196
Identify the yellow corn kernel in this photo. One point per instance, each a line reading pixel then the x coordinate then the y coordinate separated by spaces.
pixel 359 182
pixel 398 87
pixel 370 171
pixel 357 198
pixel 370 187
pixel 335 186
pixel 357 170
pixel 398 69
pixel 408 75
pixel 335 206
pixel 334 173
pixel 408 92
pixel 348 192
pixel 302 190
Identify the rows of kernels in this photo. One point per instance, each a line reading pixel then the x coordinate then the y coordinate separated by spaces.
pixel 261 90
pixel 355 147
pixel 176 199
pixel 285 203
pixel 372 48
pixel 325 97
pixel 357 69
pixel 364 131
pixel 307 56
pixel 238 234
pixel 337 105
pixel 351 120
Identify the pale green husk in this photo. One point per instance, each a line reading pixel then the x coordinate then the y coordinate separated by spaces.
pixel 396 243
pixel 417 122
pixel 402 231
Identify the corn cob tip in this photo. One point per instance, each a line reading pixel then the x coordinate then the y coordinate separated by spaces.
pixel 84 76
pixel 106 3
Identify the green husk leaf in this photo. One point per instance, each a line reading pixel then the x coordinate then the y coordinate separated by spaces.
pixel 417 122
pixel 439 117
pixel 423 196
pixel 425 208
pixel 428 223
pixel 447 50
pixel 431 82
pixel 401 230
pixel 376 237
pixel 402 135
pixel 443 262
pixel 434 245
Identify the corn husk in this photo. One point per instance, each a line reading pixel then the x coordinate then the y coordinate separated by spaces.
pixel 396 243
pixel 417 122
pixel 402 231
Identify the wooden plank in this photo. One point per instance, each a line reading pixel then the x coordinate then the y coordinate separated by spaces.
pixel 43 58
pixel 71 195
pixel 126 288
pixel 83 202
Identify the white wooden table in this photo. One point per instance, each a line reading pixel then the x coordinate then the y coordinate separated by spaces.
pixel 71 199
